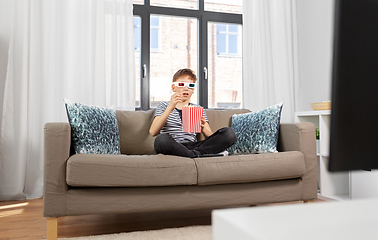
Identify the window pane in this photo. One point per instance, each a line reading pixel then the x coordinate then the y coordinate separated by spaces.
pixel 228 6
pixel 178 50
pixel 137 33
pixel 221 43
pixel 233 28
pixel 221 27
pixel 154 21
pixel 138 2
pixel 155 33
pixel 232 44
pixel 154 41
pixel 137 44
pixel 225 73
pixel 189 4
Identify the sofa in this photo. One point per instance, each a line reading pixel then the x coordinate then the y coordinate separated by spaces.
pixel 139 180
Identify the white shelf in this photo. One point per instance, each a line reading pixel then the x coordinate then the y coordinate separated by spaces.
pixel 313 113
pixel 331 185
pixel 341 197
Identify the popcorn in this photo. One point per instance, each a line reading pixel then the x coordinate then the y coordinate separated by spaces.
pixel 191 119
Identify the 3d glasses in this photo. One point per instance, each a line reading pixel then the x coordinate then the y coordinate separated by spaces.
pixel 185 84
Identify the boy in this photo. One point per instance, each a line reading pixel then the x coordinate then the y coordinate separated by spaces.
pixel 168 122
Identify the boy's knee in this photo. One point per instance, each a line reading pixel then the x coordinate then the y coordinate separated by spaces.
pixel 229 133
pixel 161 141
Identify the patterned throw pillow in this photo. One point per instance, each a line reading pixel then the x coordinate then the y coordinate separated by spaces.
pixel 257 132
pixel 93 129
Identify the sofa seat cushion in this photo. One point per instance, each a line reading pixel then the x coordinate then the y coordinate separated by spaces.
pixel 97 170
pixel 250 168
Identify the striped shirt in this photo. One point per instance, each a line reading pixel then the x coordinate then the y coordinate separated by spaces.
pixel 173 126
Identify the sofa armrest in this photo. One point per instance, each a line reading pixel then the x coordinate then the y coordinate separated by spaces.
pixel 301 137
pixel 57 143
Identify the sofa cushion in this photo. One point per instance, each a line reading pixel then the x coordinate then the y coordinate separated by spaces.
pixel 89 170
pixel 134 127
pixel 256 132
pixel 250 168
pixel 94 129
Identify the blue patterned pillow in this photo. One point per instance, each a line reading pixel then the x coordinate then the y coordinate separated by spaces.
pixel 93 129
pixel 257 132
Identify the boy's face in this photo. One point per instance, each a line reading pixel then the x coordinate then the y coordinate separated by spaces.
pixel 186 92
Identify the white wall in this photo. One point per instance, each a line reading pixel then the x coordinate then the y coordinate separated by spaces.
pixel 315 39
pixel 5 18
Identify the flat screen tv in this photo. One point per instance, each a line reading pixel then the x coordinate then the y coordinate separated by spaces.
pixel 354 117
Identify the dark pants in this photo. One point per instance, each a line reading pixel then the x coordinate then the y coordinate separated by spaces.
pixel 216 143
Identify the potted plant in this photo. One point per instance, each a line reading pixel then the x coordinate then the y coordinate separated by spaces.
pixel 317 134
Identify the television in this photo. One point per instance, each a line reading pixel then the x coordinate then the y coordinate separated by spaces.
pixel 354 117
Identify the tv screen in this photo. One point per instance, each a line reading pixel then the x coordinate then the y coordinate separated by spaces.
pixel 354 117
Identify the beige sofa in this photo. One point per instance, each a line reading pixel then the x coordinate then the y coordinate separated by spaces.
pixel 138 180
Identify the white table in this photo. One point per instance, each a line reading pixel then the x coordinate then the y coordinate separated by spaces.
pixel 352 220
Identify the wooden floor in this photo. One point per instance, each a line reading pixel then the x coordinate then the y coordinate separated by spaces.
pixel 24 220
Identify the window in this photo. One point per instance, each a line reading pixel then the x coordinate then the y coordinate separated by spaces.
pixel 155 33
pixel 175 34
pixel 234 6
pixel 137 48
pixel 225 66
pixel 188 4
pixel 137 33
pixel 180 49
pixel 228 39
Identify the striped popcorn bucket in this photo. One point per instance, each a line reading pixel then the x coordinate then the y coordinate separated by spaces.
pixel 191 119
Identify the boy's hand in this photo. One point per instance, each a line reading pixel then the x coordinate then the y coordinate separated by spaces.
pixel 206 130
pixel 175 98
pixel 203 122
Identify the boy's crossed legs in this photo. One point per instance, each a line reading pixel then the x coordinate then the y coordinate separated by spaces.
pixel 216 143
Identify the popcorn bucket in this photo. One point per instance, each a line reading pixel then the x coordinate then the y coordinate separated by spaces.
pixel 191 119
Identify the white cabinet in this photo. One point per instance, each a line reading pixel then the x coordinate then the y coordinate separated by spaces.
pixel 331 185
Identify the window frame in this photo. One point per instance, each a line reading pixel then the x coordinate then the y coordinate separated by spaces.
pixel 204 17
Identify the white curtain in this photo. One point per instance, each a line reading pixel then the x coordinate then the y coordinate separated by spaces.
pixel 82 50
pixel 270 55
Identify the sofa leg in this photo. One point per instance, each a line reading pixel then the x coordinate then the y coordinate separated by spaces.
pixel 52 228
pixel 308 201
